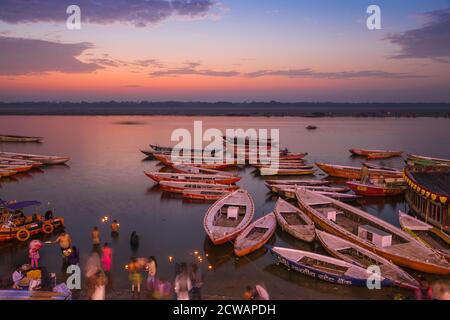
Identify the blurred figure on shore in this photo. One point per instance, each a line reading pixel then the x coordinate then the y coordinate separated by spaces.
pixel 441 291
pixel 151 268
pixel 182 283
pixel 107 253
pixel 256 293
pixel 93 266
pixel 424 291
pixel 115 226
pixel 17 277
pixel 196 276
pixel 100 281
pixel 134 275
pixel 33 253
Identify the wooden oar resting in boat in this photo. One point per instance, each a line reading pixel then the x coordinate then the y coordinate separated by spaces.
pixel 321 267
pixel 375 154
pixel 370 232
pixel 352 253
pixel 204 194
pixel 46 160
pixel 255 235
pixel 178 187
pixel 354 173
pixel 295 222
pixel 428 234
pixel 371 165
pixel 186 177
pixel 11 138
pixel 229 216
pixel 299 182
pixel 375 190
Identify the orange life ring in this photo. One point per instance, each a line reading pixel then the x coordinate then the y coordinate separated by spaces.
pixel 23 238
pixel 47 228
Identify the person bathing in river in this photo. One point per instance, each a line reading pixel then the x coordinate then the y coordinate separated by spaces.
pixel 134 275
pixel 33 253
pixel 196 276
pixel 95 236
pixel 183 283
pixel 115 226
pixel 106 258
pixel 65 242
pixel 74 258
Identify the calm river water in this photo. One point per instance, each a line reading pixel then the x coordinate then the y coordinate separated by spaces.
pixel 105 178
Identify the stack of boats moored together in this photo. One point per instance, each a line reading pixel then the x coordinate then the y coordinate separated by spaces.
pixel 321 210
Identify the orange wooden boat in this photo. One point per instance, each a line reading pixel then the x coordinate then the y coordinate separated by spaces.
pixel 178 187
pixel 7 173
pixel 370 232
pixel 229 216
pixel 268 171
pixel 186 177
pixel 374 190
pixel 204 194
pixel 182 168
pixel 375 154
pixel 16 168
pixel 354 173
pixel 255 235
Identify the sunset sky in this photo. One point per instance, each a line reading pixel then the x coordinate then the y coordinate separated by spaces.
pixel 233 50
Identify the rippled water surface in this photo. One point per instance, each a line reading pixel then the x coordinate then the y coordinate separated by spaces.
pixel 105 177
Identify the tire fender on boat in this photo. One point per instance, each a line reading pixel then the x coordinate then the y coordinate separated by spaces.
pixel 22 238
pixel 47 228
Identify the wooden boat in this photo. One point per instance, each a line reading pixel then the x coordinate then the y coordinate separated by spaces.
pixel 46 160
pixel 428 234
pixel 16 168
pixel 375 154
pixel 354 173
pixel 288 191
pixel 285 172
pixel 11 138
pixel 293 156
pixel 147 153
pixel 229 216
pixel 181 168
pixel 414 159
pixel 15 226
pixel 275 188
pixel 178 187
pixel 12 161
pixel 322 267
pixel 375 190
pixel 284 165
pixel 7 173
pixel 295 222
pixel 204 194
pixel 255 235
pixel 33 295
pixel 166 160
pixel 352 253
pixel 299 182
pixel 378 167
pixel 311 127
pixel 370 232
pixel 186 177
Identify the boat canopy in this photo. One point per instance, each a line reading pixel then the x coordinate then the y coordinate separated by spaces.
pixel 21 205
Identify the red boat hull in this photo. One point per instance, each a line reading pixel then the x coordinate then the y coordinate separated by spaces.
pixel 373 190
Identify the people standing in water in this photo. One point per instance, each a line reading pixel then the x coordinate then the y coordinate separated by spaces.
pixel 134 275
pixel 74 258
pixel 115 226
pixel 196 276
pixel 100 282
pixel 183 283
pixel 134 241
pixel 107 258
pixel 95 236
pixel 33 253
pixel 65 243
pixel 151 277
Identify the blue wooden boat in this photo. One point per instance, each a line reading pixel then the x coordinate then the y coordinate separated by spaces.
pixel 324 268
